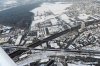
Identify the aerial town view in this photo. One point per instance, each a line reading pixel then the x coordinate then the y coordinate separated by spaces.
pixel 49 32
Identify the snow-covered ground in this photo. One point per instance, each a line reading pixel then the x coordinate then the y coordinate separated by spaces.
pixel 56 9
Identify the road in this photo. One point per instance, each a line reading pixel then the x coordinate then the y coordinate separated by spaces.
pixel 40 42
pixel 47 54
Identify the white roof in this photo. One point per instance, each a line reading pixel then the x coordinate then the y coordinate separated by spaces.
pixel 44 60
pixel 18 40
pixel 83 16
pixel 65 18
pixel 38 47
pixel 54 45
pixel 53 29
pixel 54 21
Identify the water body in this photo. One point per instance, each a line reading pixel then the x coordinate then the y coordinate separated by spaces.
pixel 19 17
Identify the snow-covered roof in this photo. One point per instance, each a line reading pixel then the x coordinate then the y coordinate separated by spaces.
pixel 38 47
pixel 54 21
pixel 44 60
pixel 83 16
pixel 65 18
pixel 54 45
pixel 53 29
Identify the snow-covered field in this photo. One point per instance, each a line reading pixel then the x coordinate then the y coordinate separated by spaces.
pixel 56 9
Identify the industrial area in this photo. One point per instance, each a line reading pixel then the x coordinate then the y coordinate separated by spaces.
pixel 61 33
